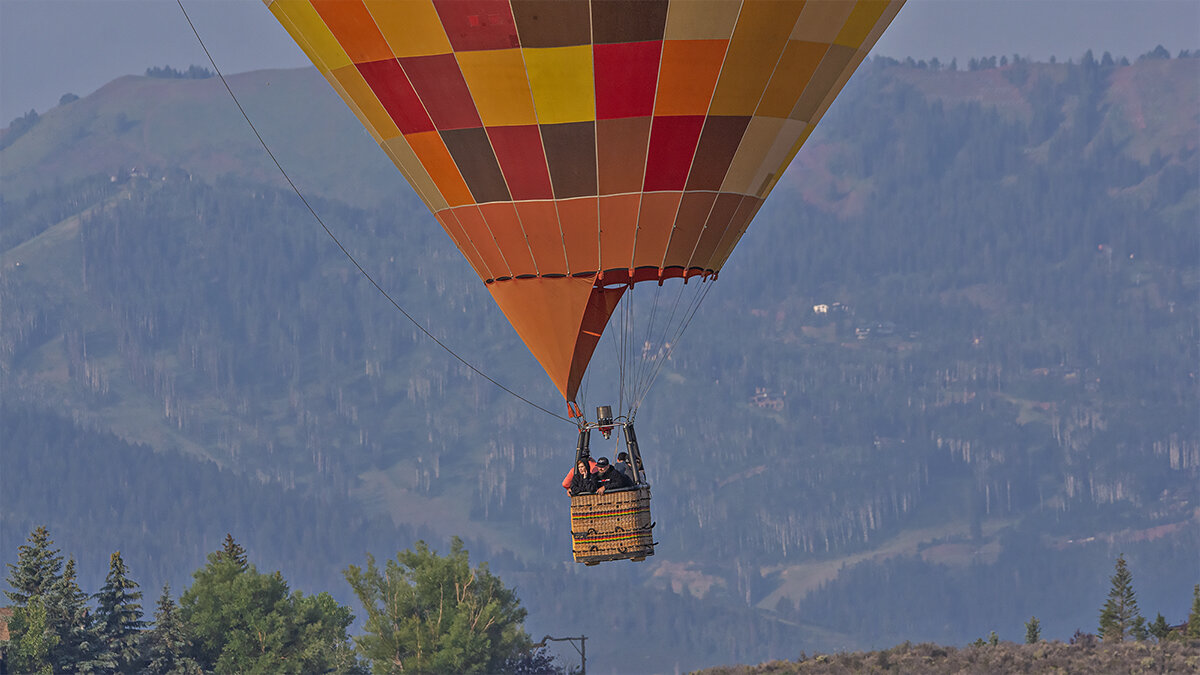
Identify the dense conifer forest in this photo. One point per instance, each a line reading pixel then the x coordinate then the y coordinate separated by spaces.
pixel 997 399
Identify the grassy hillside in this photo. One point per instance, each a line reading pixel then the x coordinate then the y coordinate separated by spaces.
pixel 193 124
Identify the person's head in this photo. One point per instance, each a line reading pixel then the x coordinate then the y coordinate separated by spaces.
pixel 622 456
pixel 602 465
pixel 582 467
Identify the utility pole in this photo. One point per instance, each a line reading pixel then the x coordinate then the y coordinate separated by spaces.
pixel 582 648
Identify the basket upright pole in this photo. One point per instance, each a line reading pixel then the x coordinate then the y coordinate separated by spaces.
pixel 635 455
pixel 581 447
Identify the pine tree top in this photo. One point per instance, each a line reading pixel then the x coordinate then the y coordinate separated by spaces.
pixel 1120 616
pixel 37 570
pixel 233 551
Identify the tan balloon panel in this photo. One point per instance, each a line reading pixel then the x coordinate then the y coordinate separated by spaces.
pixel 570 149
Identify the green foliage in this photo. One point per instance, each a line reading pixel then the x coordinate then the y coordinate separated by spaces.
pixel 61 610
pixel 432 614
pixel 245 621
pixel 194 72
pixel 68 612
pixel 166 646
pixel 118 621
pixel 1033 631
pixel 1159 628
pixel 1193 622
pixel 18 127
pixel 1120 617
pixel 233 552
pixel 33 638
pixel 993 638
pixel 37 570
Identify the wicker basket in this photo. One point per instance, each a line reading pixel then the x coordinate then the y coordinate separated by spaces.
pixel 612 526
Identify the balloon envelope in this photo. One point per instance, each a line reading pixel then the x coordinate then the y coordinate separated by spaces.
pixel 572 148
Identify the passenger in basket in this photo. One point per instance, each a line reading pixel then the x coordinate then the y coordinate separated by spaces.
pixel 583 481
pixel 622 465
pixel 608 478
pixel 571 474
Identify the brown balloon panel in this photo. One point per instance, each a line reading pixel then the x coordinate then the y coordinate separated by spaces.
pixel 587 144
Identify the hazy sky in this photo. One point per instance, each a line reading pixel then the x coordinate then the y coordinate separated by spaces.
pixel 52 47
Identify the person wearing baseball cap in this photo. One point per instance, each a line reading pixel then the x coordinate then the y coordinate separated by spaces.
pixel 608 478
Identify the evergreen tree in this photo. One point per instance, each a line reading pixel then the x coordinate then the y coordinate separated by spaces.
pixel 166 646
pixel 119 621
pixel 1193 623
pixel 37 570
pixel 428 613
pixel 1033 631
pixel 68 614
pixel 233 552
pixel 1160 629
pixel 1120 617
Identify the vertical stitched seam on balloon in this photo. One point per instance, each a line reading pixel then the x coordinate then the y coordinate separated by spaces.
pixel 595 136
pixel 700 236
pixel 353 64
pixel 483 126
pixel 405 172
pixel 499 249
pixel 736 235
pixel 662 48
pixel 536 125
pixel 742 231
pixel 767 85
pixel 328 74
pixel 562 237
pixel 758 103
pixel 537 270
pixel 881 25
pixel 425 108
pixel 711 97
pixel 482 261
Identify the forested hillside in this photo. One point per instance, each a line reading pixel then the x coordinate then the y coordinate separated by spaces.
pixel 947 376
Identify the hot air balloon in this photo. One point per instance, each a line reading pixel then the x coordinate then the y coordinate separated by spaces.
pixel 574 151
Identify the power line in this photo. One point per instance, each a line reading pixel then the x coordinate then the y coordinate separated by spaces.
pixel 338 242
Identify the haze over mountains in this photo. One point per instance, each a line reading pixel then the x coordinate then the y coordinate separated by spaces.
pixel 1000 397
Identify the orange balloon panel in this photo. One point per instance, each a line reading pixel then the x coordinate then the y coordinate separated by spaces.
pixel 571 146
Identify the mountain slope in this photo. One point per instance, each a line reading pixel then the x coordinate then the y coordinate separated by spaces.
pixel 193 124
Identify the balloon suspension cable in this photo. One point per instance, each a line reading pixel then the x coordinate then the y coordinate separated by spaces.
pixel 689 314
pixel 336 241
pixel 637 374
pixel 644 366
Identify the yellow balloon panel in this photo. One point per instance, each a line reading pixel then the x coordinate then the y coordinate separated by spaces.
pixel 308 30
pixel 562 84
pixel 410 28
pixel 499 85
